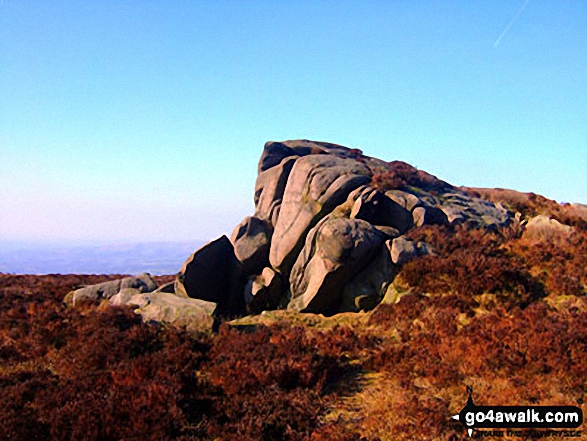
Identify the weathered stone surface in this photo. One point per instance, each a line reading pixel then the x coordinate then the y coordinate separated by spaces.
pixel 304 147
pixel 168 287
pixel 455 215
pixel 403 250
pixel 335 250
pixel 461 207
pixel 403 198
pixel 213 273
pixel 269 188
pixel 191 314
pixel 143 282
pixel 429 216
pixel 367 288
pixel 273 154
pixel 376 208
pixel 388 232
pixel 264 292
pixel 124 296
pixel 105 290
pixel 251 239
pixel 316 185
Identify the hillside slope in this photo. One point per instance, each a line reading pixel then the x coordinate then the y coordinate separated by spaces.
pixel 358 342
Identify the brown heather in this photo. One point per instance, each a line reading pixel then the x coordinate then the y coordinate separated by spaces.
pixel 492 309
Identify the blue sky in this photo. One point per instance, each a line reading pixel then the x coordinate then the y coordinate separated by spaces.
pixel 128 120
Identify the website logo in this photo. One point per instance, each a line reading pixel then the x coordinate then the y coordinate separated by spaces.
pixel 518 417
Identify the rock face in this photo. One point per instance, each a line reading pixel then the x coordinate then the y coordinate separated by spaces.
pixel 264 292
pixel 327 236
pixel 369 287
pixel 403 250
pixel 376 208
pixel 142 283
pixel 335 251
pixel 316 185
pixel 269 189
pixel 251 240
pixel 190 314
pixel 213 273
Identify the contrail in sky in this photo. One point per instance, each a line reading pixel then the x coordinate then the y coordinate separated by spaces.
pixel 507 28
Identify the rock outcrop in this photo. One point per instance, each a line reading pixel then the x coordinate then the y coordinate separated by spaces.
pixel 251 239
pixel 335 251
pixel 317 184
pixel 142 283
pixel 327 236
pixel 213 273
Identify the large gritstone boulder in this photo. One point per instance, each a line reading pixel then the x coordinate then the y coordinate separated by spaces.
pixel 213 273
pixel 428 215
pixel 190 314
pixel 367 289
pixel 105 290
pixel 316 185
pixel 460 207
pixel 378 209
pixel 403 250
pixel 251 244
pixel 264 292
pixel 269 189
pixel 334 252
pixel 273 154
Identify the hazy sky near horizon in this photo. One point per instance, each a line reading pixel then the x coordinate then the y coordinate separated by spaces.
pixel 144 120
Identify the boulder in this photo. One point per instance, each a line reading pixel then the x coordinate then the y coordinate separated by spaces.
pixel 264 292
pixel 388 232
pixel 334 252
pixel 367 288
pixel 123 296
pixel 105 290
pixel 428 215
pixel 143 282
pixel 461 207
pixel 403 198
pixel 376 208
pixel 269 188
pixel 454 215
pixel 316 185
pixel 194 315
pixel 250 240
pixel 403 250
pixel 304 147
pixel 273 154
pixel 213 273
pixel 169 287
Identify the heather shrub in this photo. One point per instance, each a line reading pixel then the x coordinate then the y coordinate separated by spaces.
pixel 517 356
pixel 471 262
pixel 401 175
pixel 285 359
pixel 531 204
pixel 398 373
pixel 559 265
pixel 103 374
pixel 272 382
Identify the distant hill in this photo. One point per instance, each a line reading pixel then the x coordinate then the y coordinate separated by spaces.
pixel 157 258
